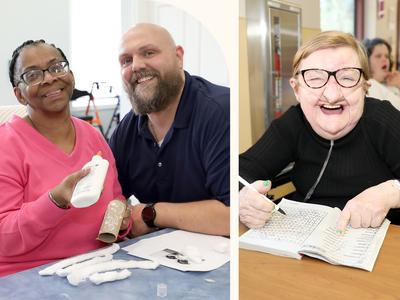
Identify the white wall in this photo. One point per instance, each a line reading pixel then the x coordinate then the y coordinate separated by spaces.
pixel 95 36
pixel 23 20
pixel 370 12
pixel 242 8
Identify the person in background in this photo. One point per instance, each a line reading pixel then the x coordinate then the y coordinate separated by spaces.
pixel 384 84
pixel 172 149
pixel 345 146
pixel 40 163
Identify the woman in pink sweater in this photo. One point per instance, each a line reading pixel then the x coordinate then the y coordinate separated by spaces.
pixel 41 156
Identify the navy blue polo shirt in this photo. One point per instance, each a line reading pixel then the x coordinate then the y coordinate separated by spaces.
pixel 193 160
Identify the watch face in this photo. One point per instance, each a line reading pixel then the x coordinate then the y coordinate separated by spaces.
pixel 149 214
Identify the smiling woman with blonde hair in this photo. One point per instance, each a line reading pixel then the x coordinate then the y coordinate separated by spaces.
pixel 344 145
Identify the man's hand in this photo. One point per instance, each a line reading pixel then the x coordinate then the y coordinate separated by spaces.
pixel 254 211
pixel 370 207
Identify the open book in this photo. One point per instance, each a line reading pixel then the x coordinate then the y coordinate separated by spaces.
pixel 310 229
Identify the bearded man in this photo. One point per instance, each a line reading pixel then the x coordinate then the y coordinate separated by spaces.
pixel 172 149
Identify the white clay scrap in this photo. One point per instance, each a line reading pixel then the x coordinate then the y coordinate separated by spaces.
pixel 77 259
pixel 81 274
pixel 99 278
pixel 95 260
pixel 193 254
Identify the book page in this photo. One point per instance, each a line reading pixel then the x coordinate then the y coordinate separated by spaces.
pixel 284 235
pixel 357 248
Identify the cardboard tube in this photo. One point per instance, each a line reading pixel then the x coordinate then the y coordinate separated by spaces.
pixel 112 221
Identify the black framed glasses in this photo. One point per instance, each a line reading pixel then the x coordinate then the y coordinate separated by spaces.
pixel 36 76
pixel 345 77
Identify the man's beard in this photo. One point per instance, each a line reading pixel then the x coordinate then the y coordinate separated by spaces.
pixel 155 97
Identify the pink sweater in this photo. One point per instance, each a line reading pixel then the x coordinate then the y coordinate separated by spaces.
pixel 33 230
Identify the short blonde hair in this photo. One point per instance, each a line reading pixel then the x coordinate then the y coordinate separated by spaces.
pixel 331 39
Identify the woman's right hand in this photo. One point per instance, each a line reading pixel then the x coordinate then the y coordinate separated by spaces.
pixel 62 193
pixel 393 79
pixel 254 211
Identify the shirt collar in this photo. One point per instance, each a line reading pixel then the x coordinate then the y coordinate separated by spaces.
pixel 185 107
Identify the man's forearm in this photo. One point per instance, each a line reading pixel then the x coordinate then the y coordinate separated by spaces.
pixel 206 216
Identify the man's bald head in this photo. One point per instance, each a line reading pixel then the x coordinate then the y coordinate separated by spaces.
pixel 153 31
pixel 151 67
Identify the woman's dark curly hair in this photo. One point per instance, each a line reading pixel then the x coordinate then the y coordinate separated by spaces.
pixel 370 44
pixel 15 55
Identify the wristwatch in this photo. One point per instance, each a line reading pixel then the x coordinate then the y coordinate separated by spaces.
pixel 149 215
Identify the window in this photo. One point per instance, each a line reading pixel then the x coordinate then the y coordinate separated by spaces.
pixel 95 36
pixel 338 15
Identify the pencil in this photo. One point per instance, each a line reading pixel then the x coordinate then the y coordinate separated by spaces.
pixel 245 183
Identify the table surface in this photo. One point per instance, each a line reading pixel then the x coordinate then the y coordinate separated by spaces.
pixel 142 284
pixel 265 276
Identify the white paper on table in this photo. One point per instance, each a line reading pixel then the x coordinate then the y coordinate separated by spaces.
pixel 173 244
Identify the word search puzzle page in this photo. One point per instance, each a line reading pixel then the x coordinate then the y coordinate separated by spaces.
pixel 356 247
pixel 286 233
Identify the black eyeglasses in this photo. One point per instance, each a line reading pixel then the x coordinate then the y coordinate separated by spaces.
pixel 317 78
pixel 36 76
